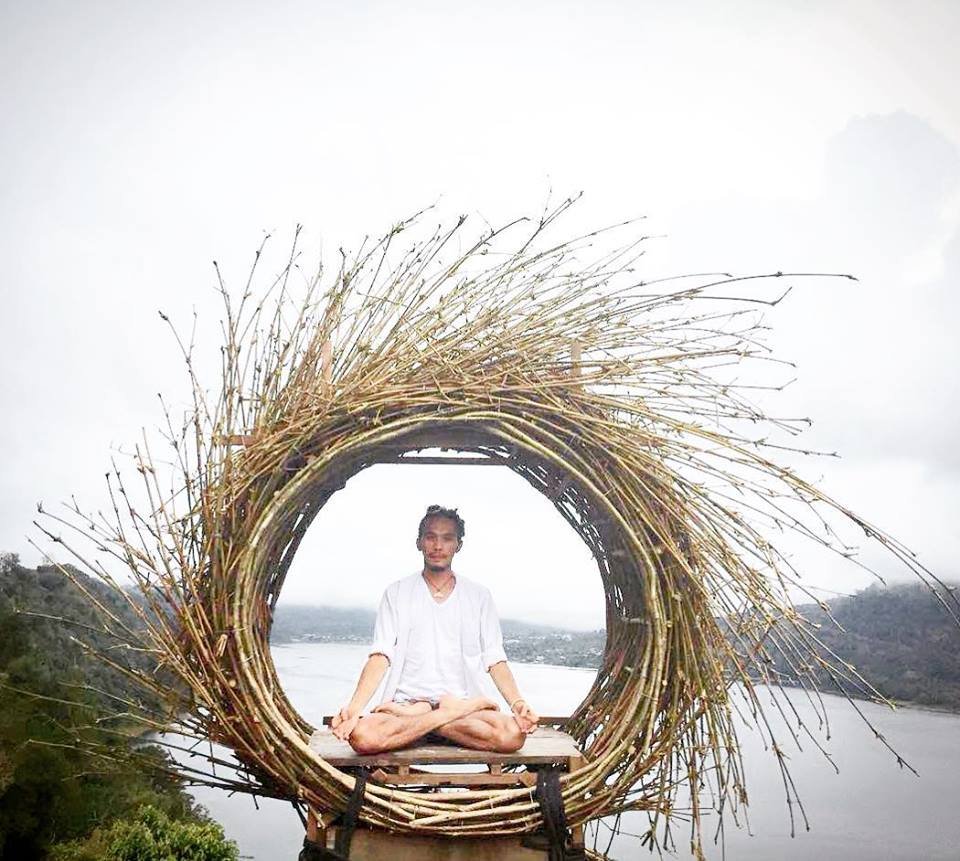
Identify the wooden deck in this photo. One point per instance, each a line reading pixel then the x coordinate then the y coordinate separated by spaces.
pixel 546 745
pixel 440 766
pixel 435 764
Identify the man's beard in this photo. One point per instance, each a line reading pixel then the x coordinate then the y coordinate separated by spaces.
pixel 436 568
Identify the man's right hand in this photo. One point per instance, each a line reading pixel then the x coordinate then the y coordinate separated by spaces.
pixel 343 722
pixel 527 719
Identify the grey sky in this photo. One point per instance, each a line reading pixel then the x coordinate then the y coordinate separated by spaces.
pixel 139 141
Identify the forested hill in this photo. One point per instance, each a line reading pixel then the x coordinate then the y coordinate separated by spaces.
pixel 900 638
pixel 57 801
pixel 52 655
pixel 321 624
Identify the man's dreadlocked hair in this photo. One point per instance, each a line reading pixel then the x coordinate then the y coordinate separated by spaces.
pixel 440 511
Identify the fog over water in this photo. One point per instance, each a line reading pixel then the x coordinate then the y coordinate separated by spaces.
pixel 872 809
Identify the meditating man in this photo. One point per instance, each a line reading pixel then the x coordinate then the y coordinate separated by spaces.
pixel 437 634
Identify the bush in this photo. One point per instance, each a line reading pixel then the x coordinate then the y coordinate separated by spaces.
pixel 150 835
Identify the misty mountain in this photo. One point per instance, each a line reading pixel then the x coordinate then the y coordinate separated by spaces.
pixel 523 641
pixel 900 638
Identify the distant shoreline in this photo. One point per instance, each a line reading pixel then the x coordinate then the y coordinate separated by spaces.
pixel 898 638
pixel 923 707
pixel 896 703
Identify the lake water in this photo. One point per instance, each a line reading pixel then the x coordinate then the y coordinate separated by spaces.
pixel 870 810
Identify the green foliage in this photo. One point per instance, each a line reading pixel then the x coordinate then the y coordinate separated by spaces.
pixel 62 772
pixel 52 655
pixel 151 835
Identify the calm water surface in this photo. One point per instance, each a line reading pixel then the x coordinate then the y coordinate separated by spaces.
pixel 870 810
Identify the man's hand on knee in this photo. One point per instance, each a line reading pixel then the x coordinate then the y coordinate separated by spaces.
pixel 344 722
pixel 527 719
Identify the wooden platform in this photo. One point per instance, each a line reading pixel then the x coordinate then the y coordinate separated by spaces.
pixel 546 746
pixel 441 765
pixel 543 746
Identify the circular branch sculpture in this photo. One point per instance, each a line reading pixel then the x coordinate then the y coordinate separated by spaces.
pixel 608 395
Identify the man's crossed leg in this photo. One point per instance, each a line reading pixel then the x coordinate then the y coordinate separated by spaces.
pixel 475 723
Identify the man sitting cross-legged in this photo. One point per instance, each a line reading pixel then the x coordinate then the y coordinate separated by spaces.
pixel 436 634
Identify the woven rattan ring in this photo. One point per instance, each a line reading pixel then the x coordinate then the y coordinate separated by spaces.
pixel 613 397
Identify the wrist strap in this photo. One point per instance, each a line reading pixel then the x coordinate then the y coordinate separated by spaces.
pixel 517 700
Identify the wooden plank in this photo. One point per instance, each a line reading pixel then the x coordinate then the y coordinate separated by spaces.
pixel 543 746
pixel 576 833
pixel 421 778
pixel 446 435
pixel 445 461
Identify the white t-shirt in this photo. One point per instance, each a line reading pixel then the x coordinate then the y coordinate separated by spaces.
pixel 433 664
pixel 465 629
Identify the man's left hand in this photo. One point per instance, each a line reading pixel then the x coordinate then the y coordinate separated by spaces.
pixel 526 718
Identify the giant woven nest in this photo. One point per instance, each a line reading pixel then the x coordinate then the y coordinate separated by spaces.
pixel 614 398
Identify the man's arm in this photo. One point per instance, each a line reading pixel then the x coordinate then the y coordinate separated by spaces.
pixel 495 659
pixel 370 677
pixel 381 656
pixel 503 678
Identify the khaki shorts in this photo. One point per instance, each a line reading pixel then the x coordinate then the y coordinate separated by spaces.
pixel 406 701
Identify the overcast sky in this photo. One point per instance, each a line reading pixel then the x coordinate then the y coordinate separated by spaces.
pixel 140 141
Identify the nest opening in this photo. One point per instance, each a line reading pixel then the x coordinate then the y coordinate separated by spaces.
pixel 467 441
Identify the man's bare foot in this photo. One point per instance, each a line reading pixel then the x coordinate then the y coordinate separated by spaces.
pixel 462 707
pixel 403 709
pixel 482 704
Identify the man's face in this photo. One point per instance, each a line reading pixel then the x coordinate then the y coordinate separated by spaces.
pixel 438 543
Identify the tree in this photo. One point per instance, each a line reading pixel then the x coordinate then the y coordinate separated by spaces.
pixel 63 769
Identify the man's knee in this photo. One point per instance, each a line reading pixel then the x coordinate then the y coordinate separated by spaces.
pixel 510 738
pixel 366 738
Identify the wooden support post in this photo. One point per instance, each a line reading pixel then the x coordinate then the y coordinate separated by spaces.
pixel 576 833
pixel 316 828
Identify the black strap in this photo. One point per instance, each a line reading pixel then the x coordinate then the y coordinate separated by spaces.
pixel 550 799
pixel 548 795
pixel 348 822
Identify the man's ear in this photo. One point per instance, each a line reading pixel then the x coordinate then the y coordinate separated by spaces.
pixel 418 543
